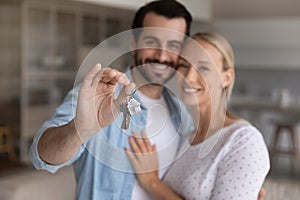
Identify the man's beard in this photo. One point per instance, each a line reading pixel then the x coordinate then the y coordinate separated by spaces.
pixel 140 65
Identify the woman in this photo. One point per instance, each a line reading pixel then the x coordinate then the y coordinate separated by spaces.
pixel 227 157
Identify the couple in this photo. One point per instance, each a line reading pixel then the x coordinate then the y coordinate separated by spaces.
pixel 235 167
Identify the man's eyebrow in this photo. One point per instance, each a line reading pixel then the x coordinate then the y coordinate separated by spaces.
pixel 150 37
pixel 154 38
pixel 176 41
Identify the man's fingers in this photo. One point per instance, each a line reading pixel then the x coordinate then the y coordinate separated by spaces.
pixel 88 79
pixel 126 90
pixel 105 75
pixel 113 76
pixel 109 76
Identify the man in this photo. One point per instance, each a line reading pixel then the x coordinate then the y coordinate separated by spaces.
pixel 70 137
pixel 101 167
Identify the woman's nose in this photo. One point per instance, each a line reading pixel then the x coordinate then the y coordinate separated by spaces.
pixel 191 74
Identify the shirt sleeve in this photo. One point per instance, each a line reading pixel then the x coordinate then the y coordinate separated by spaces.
pixel 63 114
pixel 243 168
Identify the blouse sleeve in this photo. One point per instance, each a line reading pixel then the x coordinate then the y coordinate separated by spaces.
pixel 243 167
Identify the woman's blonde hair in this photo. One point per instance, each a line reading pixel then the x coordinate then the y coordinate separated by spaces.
pixel 226 51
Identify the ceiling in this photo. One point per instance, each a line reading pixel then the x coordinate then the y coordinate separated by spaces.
pixel 256 8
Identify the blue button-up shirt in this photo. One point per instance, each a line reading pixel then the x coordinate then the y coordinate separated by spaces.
pixel 102 169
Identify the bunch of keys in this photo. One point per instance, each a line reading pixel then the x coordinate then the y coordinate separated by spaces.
pixel 130 107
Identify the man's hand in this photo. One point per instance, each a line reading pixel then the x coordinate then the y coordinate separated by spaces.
pixel 96 106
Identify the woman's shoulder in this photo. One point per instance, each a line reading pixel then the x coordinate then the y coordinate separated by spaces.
pixel 240 132
pixel 244 141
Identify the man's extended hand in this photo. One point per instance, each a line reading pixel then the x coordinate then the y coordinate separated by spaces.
pixel 96 106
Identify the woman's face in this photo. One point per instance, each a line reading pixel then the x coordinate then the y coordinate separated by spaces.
pixel 200 76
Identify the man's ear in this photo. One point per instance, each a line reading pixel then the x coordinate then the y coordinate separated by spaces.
pixel 228 76
pixel 133 46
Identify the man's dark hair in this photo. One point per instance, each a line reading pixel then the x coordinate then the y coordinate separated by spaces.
pixel 167 8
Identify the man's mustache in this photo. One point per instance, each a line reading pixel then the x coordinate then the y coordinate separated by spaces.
pixel 155 61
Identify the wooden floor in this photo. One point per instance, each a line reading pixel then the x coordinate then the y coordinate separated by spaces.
pixel 8 167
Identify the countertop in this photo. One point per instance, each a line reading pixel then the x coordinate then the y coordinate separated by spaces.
pixel 264 103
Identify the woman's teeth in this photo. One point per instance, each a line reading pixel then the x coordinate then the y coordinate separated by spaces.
pixel 189 90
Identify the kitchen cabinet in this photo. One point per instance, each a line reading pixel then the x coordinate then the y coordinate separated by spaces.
pixel 201 10
pixel 49 52
pixel 269 43
pixel 43 44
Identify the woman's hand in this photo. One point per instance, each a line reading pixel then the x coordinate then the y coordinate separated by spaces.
pixel 144 160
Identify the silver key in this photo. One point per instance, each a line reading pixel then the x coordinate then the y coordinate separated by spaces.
pixel 126 121
pixel 130 107
pixel 133 106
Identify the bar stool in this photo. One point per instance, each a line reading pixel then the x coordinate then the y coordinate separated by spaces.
pixel 285 125
pixel 7 142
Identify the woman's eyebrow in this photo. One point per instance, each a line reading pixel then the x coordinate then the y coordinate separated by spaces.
pixel 203 62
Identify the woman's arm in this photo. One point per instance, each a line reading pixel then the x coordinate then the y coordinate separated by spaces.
pixel 144 160
pixel 243 168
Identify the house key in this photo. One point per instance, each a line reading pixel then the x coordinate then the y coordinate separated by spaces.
pixel 130 107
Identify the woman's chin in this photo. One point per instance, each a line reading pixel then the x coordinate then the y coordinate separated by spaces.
pixel 192 102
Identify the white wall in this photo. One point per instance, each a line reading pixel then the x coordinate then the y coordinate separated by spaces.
pixel 272 42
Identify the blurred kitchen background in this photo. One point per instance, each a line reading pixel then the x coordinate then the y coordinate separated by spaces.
pixel 43 43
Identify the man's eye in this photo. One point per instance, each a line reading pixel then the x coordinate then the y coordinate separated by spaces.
pixel 175 47
pixel 151 43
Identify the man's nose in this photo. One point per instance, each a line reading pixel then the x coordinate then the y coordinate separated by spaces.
pixel 163 55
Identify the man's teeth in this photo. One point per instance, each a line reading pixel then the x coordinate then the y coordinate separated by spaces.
pixel 161 66
pixel 189 90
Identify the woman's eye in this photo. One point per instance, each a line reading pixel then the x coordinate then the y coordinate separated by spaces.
pixel 203 68
pixel 182 66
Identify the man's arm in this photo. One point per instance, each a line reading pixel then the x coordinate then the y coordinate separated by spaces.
pixel 57 145
pixel 96 108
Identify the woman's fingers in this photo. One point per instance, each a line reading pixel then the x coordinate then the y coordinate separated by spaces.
pixel 134 146
pixel 132 157
pixel 146 141
pixel 140 144
pixel 143 155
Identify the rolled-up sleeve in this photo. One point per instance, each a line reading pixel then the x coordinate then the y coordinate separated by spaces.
pixel 63 115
